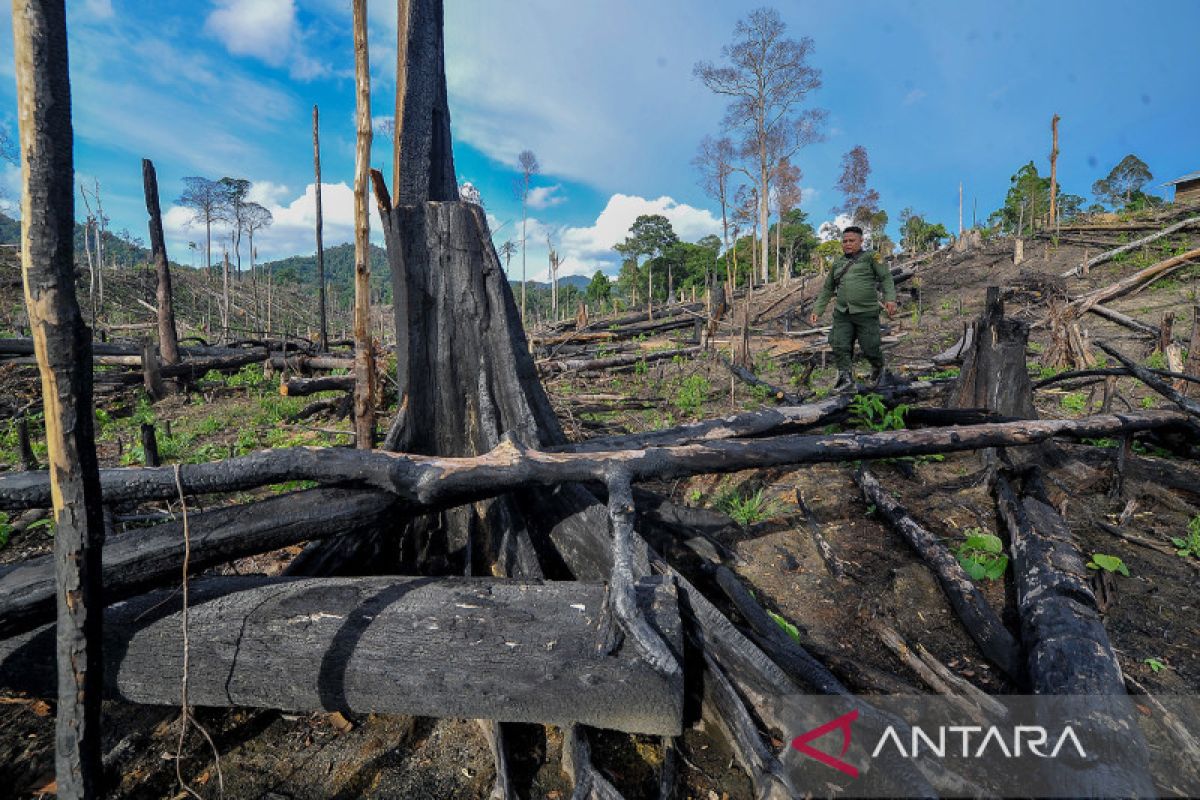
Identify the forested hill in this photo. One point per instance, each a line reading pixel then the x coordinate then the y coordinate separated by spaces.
pixel 123 248
pixel 339 267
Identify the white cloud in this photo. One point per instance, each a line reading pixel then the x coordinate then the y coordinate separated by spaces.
pixel 832 228
pixel 268 30
pixel 98 9
pixel 546 196
pixel 267 193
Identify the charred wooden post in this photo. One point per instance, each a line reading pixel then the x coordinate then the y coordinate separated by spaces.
pixel 1192 365
pixel 507 650
pixel 149 445
pixel 24 447
pixel 168 340
pixel 364 367
pixel 63 350
pixel 994 375
pixel 1068 651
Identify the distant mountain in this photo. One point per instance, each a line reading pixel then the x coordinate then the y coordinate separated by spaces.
pixel 339 268
pixel 125 253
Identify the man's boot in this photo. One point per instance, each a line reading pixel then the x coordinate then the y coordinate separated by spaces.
pixel 878 377
pixel 845 381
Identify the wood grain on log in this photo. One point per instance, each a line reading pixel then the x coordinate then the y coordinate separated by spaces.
pixel 465 647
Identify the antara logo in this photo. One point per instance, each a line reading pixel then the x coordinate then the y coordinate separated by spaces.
pixel 842 723
pixel 1033 737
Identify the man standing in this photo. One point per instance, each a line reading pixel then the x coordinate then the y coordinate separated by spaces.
pixel 855 281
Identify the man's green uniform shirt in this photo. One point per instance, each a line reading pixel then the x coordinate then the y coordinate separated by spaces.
pixel 858 292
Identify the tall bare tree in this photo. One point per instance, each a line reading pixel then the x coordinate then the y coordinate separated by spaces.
pixel 62 346
pixel 168 342
pixel 364 372
pixel 204 197
pixel 233 211
pixel 1053 169
pixel 859 200
pixel 767 79
pixel 254 218
pixel 787 197
pixel 323 333
pixel 528 164
pixel 715 160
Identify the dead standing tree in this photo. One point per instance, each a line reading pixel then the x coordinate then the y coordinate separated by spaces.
pixel 63 346
pixel 168 341
pixel 323 332
pixel 364 371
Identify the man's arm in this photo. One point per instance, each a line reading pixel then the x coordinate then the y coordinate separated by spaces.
pixel 885 279
pixel 826 294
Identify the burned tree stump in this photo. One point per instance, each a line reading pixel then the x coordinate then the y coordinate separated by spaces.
pixel 994 375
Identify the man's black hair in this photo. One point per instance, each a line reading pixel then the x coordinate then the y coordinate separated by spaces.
pixel 852 229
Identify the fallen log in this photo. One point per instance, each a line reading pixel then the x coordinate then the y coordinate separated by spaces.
pixel 981 622
pixel 1068 652
pixel 302 387
pixel 1102 372
pixel 1125 248
pixel 473 648
pixel 140 559
pixel 430 481
pixel 750 379
pixel 552 367
pixel 1134 282
pixel 1147 377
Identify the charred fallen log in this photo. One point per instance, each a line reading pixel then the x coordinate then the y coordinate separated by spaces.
pixel 1147 377
pixel 552 367
pixel 465 647
pixel 302 387
pixel 978 618
pixel 437 481
pixel 140 559
pixel 1068 651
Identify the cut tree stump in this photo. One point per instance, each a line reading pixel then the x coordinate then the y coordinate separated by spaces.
pixel 994 375
pixel 473 648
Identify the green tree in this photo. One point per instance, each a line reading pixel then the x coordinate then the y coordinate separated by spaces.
pixel 650 235
pixel 1027 201
pixel 600 288
pixel 917 235
pixel 1123 183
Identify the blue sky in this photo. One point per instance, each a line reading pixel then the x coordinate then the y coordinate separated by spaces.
pixel 602 91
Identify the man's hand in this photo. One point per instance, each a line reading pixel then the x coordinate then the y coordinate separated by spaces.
pixel 812 319
pixel 890 308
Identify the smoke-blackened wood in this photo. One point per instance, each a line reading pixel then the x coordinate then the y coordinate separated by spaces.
pixel 1068 651
pixel 978 618
pixel 28 460
pixel 168 342
pixel 994 375
pixel 138 560
pixel 577 764
pixel 1153 381
pixel 149 445
pixel 62 347
pixel 1123 320
pixel 1101 372
pixel 551 367
pixel 749 378
pixel 151 375
pixel 300 387
pixel 426 154
pixel 438 482
pixel 465 647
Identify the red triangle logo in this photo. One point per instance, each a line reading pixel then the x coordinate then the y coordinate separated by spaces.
pixel 842 723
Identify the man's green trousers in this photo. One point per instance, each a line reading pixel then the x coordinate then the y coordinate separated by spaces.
pixel 848 328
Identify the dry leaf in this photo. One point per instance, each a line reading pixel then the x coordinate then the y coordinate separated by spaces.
pixel 340 723
pixel 49 788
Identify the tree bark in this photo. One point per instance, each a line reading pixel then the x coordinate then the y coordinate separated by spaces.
pixel 994 375
pixel 322 322
pixel 440 481
pixel 470 648
pixel 1068 651
pixel 151 375
pixel 62 344
pixel 301 387
pixel 141 559
pixel 168 340
pixel 364 368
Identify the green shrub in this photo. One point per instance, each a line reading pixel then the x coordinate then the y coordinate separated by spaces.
pixel 748 509
pixel 981 554
pixel 1074 402
pixel 1189 546
pixel 1156 360
pixel 692 394
pixel 869 411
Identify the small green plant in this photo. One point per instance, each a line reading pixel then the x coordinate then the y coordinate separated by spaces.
pixel 695 496
pixel 1154 664
pixel 1103 561
pixel 1074 402
pixel 1189 546
pixel 1147 402
pixel 981 554
pixel 693 391
pixel 44 524
pixel 869 411
pixel 749 509
pixel 1100 442
pixel 760 393
pixel 641 367
pixel 1044 372
pixel 952 372
pixel 1156 360
pixel 1036 347
pixel 5 530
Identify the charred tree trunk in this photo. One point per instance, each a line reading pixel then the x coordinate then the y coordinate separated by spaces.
pixel 168 341
pixel 1068 651
pixel 994 375
pixel 470 648
pixel 62 344
pixel 300 387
